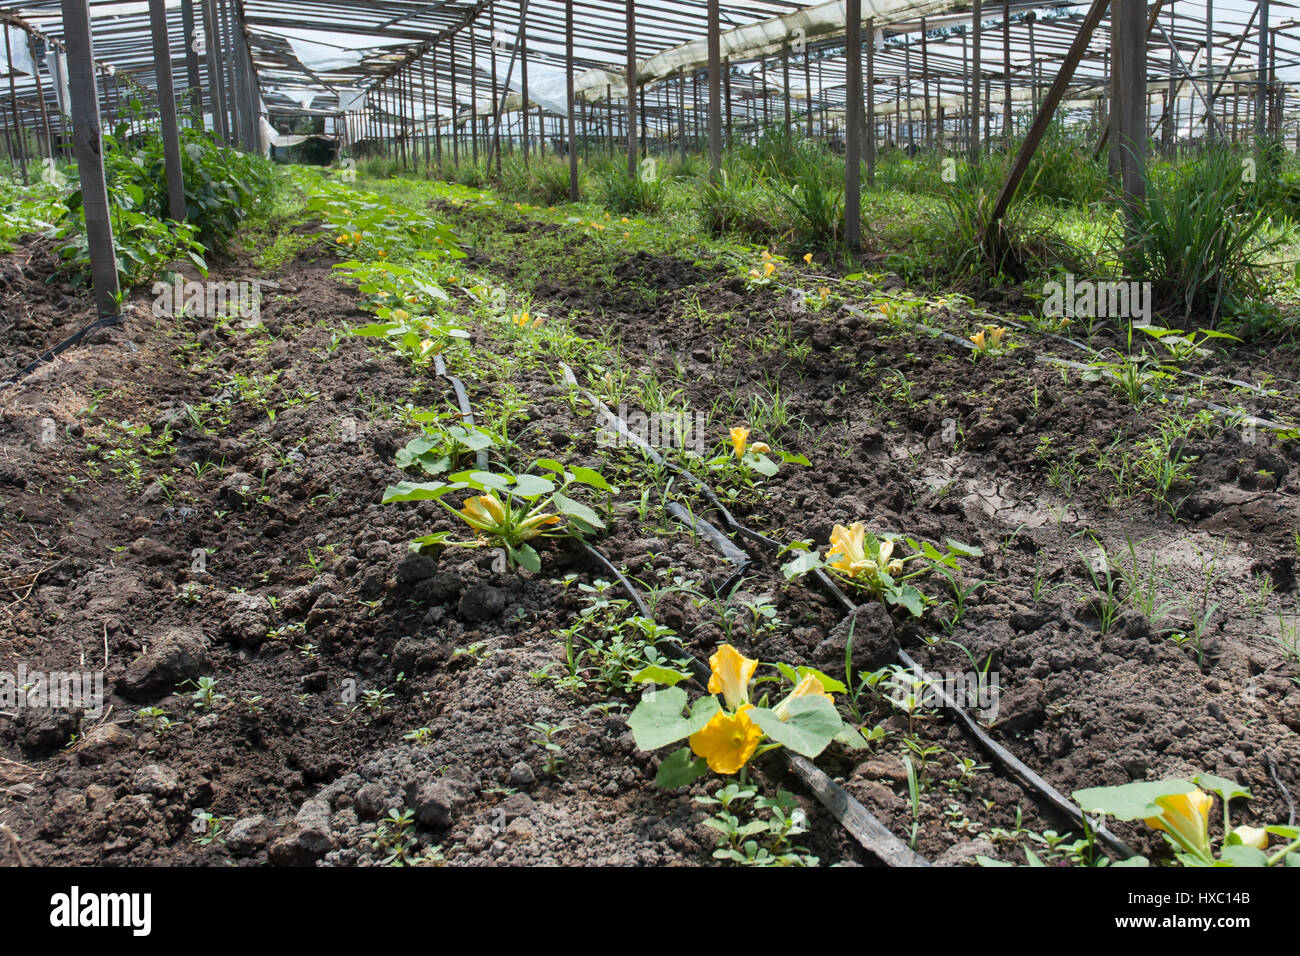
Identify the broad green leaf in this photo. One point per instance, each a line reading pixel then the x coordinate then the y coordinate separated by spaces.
pixel 416 491
pixel 657 721
pixel 908 597
pixel 801 565
pixel 576 509
pixel 1225 788
pixel 1241 855
pixel 680 768
pixel 530 486
pixel 1133 861
pixel 654 673
pixel 1130 801
pixel 589 476
pixel 526 557
pixel 812 724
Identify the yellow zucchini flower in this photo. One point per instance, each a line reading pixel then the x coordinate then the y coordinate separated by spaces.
pixel 1186 818
pixel 1252 836
pixel 732 672
pixel 727 741
pixel 807 687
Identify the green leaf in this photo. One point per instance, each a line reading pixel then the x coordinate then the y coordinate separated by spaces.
pixel 812 724
pixel 1226 789
pixel 801 565
pixel 530 486
pixel 908 597
pixel 589 476
pixel 967 550
pixel 658 720
pixel 1241 855
pixel 576 509
pixel 526 556
pixel 416 491
pixel 1130 801
pixel 1133 861
pixel 654 673
pixel 761 463
pixel 680 768
pixel 989 861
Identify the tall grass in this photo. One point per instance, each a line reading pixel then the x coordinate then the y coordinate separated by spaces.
pixel 1198 237
pixel 631 195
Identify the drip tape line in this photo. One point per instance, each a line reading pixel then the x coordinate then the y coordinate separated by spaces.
pixel 104 321
pixel 1002 755
pixel 462 399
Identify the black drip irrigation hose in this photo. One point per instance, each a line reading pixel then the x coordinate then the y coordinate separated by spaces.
pixel 1009 761
pixel 462 399
pixel 1043 359
pixel 721 543
pixel 50 354
pixel 872 835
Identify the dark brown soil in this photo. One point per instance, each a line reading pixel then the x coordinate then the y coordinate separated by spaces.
pixel 252 548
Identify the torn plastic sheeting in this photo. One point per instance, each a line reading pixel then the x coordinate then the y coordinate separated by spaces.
pixel 351 101
pixel 304 97
pixel 56 62
pixel 21 59
pixel 322 56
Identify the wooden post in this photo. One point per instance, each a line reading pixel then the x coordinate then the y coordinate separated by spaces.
pixel 715 93
pixel 40 99
pixel 807 87
pixel 496 103
pixel 437 125
pixel 216 82
pixel 853 123
pixel 785 86
pixel 868 93
pixel 89 149
pixel 1261 76
pixel 1128 94
pixel 726 92
pixel 162 57
pixel 573 120
pixel 630 36
pixel 523 78
pixel 925 84
pixel 13 105
pixel 1006 71
pixel 976 38
pixel 194 88
pixel 455 105
pixel 1209 70
pixel 473 93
